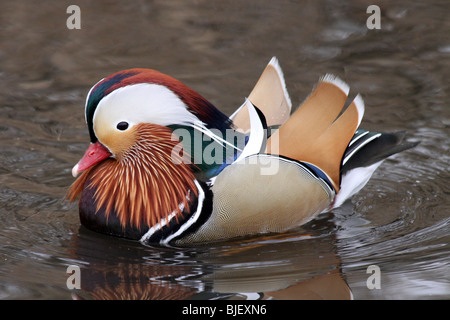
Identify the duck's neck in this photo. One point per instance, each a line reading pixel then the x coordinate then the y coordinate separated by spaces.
pixel 149 183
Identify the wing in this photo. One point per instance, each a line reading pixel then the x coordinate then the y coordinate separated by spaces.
pixel 317 132
pixel 270 96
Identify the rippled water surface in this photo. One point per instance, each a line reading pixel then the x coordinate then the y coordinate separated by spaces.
pixel 399 222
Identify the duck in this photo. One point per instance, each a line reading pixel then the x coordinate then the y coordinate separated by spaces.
pixel 165 166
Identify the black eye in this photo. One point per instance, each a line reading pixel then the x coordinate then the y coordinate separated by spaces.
pixel 122 125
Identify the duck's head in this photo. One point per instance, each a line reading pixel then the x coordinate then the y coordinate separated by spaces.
pixel 129 169
pixel 118 105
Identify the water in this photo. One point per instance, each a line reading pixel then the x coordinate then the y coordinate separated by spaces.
pixel 400 222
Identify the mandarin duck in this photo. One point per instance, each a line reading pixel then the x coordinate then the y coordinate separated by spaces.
pixel 164 165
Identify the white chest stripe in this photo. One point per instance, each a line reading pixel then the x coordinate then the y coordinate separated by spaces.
pixel 159 225
pixel 193 218
pixel 185 226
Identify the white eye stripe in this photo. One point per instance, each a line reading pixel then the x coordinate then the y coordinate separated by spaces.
pixel 144 103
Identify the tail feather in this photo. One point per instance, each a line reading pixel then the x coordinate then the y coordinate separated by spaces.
pixel 317 132
pixel 371 147
pixel 319 110
pixel 365 153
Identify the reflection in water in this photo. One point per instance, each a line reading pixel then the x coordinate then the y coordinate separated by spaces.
pixel 288 266
pixel 400 221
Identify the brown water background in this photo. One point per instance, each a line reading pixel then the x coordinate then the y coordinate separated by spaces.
pixel 399 222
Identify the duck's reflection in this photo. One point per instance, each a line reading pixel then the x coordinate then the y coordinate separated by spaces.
pixel 287 266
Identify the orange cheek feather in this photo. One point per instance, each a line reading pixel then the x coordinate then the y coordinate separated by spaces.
pixel 145 190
